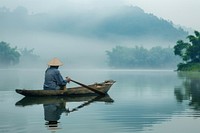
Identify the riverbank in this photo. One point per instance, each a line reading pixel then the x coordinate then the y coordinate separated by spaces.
pixel 193 67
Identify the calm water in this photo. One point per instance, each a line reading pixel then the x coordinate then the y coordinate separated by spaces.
pixel 144 102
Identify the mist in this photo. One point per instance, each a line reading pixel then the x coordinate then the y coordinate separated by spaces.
pixel 80 37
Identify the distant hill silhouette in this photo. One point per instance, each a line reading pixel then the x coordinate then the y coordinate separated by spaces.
pixel 134 22
pixel 128 22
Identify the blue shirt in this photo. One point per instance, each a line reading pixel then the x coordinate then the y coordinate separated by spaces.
pixel 53 79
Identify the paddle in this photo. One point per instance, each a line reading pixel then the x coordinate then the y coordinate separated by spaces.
pixel 92 89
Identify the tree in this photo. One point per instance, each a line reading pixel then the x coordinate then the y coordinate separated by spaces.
pixel 189 51
pixel 8 56
pixel 139 57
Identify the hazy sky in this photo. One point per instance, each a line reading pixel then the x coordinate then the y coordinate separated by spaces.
pixel 183 12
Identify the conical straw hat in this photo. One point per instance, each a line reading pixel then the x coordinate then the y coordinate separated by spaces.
pixel 55 62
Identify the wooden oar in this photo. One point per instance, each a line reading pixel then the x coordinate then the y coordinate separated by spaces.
pixel 90 88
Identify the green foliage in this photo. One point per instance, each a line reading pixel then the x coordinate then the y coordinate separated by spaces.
pixel 8 56
pixel 189 67
pixel 188 51
pixel 139 57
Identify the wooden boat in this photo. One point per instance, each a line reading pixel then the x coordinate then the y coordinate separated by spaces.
pixel 75 91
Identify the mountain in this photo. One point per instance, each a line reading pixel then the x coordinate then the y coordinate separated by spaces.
pixel 81 37
pixel 134 22
pixel 126 22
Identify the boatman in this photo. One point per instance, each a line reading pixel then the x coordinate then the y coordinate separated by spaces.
pixel 53 79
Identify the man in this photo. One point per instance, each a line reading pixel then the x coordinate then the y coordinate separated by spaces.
pixel 53 78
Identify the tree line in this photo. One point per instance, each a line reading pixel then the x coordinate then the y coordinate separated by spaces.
pixel 185 54
pixel 140 57
pixel 124 57
pixel 8 56
pixel 12 56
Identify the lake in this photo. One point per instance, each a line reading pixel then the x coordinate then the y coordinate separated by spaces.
pixel 141 101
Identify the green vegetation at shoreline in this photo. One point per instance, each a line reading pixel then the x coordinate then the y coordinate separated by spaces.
pixel 139 57
pixel 189 52
pixel 12 56
pixel 8 56
pixel 189 67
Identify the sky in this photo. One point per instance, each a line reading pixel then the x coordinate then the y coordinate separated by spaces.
pixel 180 12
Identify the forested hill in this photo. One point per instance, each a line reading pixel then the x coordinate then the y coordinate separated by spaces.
pixel 134 22
pixel 129 22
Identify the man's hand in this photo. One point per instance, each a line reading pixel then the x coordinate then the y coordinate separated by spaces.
pixel 68 79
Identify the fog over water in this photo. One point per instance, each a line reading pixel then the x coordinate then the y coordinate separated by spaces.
pixel 71 50
pixel 77 33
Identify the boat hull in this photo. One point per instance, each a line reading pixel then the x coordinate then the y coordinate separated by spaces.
pixel 75 91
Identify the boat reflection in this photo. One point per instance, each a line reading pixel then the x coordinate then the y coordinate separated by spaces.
pixel 190 89
pixel 55 106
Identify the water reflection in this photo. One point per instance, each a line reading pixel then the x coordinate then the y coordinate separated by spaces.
pixel 52 113
pixel 190 89
pixel 145 101
pixel 54 107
